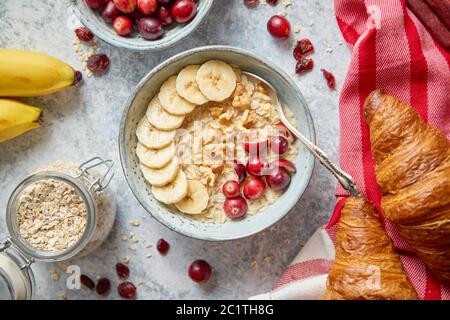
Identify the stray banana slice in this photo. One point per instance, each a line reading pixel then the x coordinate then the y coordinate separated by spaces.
pixel 153 138
pixel 171 101
pixel 163 176
pixel 161 119
pixel 154 158
pixel 216 80
pixel 196 200
pixel 187 86
pixel 174 191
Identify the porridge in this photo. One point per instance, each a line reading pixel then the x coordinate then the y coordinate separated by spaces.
pixel 212 145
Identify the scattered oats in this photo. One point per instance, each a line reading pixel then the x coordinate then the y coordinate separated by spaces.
pixel 283 13
pixel 254 265
pixel 134 239
pixel 302 243
pixel 148 246
pixel 135 223
pixel 132 246
pixel 54 273
pixel 287 242
pixel 239 247
pixel 63 296
pixel 123 237
pixel 287 3
pixel 126 259
pixel 297 29
pixel 265 276
pixel 149 256
pixel 141 284
pixel 63 266
pixel 268 260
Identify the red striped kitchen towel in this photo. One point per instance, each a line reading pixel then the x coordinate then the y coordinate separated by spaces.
pixel 394 51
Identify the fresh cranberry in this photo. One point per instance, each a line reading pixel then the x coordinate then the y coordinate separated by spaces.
pixel 110 12
pixel 285 132
pixel 279 27
pixel 305 64
pixel 87 282
pixel 164 16
pixel 84 34
pixel 231 189
pixel 150 28
pixel 98 63
pixel 122 270
pixel 235 208
pixel 184 10
pixel 285 164
pixel 251 3
pixel 278 179
pixel 240 170
pixel 127 290
pixel 147 7
pixel 103 286
pixel 302 48
pixel 256 166
pixel 162 246
pixel 256 147
pixel 200 271
pixel 123 26
pixel 254 188
pixel 94 4
pixel 331 81
pixel 279 144
pixel 126 6
pixel 272 2
pixel 135 16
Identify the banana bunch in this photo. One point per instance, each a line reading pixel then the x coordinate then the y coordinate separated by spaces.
pixel 28 74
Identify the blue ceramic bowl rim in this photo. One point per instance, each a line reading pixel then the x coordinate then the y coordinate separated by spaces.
pixel 158 68
pixel 148 45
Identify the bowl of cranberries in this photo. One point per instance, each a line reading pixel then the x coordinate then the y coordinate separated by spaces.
pixel 250 181
pixel 142 25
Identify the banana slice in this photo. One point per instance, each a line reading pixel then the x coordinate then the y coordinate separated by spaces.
pixel 171 101
pixel 163 176
pixel 153 138
pixel 174 191
pixel 216 80
pixel 196 199
pixel 155 159
pixel 187 86
pixel 161 119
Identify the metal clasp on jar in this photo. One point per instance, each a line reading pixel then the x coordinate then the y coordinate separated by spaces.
pixel 100 183
pixel 27 261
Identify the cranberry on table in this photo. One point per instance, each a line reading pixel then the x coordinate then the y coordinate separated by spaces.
pixel 279 144
pixel 272 2
pixel 279 27
pixel 147 7
pixel 110 12
pixel 304 65
pixel 150 28
pixel 240 170
pixel 254 188
pixel 94 4
pixel 127 290
pixel 200 271
pixel 126 6
pixel 84 34
pixel 98 63
pixel 103 286
pixel 87 282
pixel 302 48
pixel 162 246
pixel 184 10
pixel 256 166
pixel 251 3
pixel 123 26
pixel 285 164
pixel 122 270
pixel 235 208
pixel 331 81
pixel 231 189
pixel 278 179
pixel 164 16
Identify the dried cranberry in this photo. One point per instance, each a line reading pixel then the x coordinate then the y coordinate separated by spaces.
pixel 331 81
pixel 122 270
pixel 127 290
pixel 272 2
pixel 164 16
pixel 98 63
pixel 305 64
pixel 77 77
pixel 251 3
pixel 162 246
pixel 87 282
pixel 200 271
pixel 103 286
pixel 84 34
pixel 302 48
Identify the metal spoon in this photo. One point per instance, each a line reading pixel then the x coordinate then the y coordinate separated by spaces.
pixel 343 177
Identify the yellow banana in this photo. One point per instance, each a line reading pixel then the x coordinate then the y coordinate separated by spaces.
pixel 28 74
pixel 17 118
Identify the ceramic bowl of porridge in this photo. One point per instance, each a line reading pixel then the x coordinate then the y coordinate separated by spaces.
pixel 203 149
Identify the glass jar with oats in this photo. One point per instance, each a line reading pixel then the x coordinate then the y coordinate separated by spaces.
pixel 62 211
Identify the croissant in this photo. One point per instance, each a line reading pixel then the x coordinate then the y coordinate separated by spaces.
pixel 413 172
pixel 366 265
